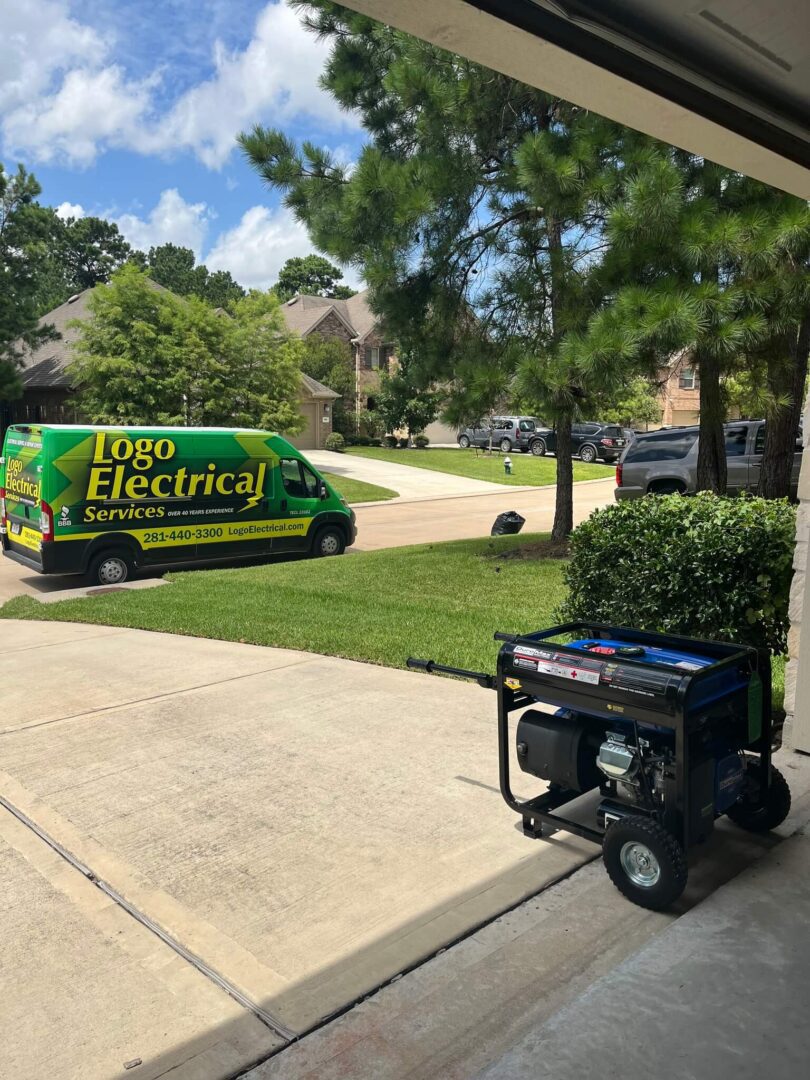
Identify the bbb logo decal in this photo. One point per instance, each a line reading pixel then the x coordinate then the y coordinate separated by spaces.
pixel 64 517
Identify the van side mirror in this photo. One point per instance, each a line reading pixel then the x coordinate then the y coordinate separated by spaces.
pixel 323 491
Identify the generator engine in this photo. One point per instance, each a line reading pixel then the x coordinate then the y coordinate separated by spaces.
pixel 633 766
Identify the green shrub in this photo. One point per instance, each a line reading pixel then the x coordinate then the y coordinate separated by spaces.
pixel 335 442
pixel 391 441
pixel 421 442
pixel 708 566
pixel 403 444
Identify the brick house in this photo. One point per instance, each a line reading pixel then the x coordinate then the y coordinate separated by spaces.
pixel 49 398
pixel 373 351
pixel 679 391
pixel 351 321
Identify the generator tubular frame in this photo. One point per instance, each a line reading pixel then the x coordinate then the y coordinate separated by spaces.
pixel 537 812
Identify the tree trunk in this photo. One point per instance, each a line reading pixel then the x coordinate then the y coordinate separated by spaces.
pixel 564 501
pixel 564 504
pixel 711 463
pixel 784 380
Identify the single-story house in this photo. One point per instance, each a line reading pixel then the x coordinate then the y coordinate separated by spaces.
pixel 49 398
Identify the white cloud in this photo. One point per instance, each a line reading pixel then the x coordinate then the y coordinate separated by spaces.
pixel 275 77
pixel 171 220
pixel 90 108
pixel 255 250
pixel 69 210
pixel 39 39
pixel 63 96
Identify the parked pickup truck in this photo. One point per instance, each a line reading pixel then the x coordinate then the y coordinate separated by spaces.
pixel 664 462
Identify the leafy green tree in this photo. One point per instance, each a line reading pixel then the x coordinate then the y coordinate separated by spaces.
pixel 331 362
pixel 148 356
pixel 475 212
pixel 174 268
pixel 25 231
pixel 403 400
pixel 311 275
pixel 264 363
pixel 634 402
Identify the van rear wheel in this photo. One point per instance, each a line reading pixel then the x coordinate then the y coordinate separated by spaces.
pixel 329 541
pixel 110 568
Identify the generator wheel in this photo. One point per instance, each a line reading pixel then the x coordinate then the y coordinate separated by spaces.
pixel 755 816
pixel 644 862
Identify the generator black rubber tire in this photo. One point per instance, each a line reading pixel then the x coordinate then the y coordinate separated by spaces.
pixel 329 541
pixel 103 566
pixel 637 832
pixel 761 817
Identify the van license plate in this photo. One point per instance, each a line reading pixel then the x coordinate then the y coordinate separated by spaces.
pixel 16 528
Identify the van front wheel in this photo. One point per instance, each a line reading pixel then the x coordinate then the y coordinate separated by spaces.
pixel 110 568
pixel 329 541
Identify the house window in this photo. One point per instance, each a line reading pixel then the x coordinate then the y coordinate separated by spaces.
pixel 687 379
pixel 371 357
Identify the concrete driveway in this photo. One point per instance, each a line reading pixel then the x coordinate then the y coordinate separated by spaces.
pixel 410 482
pixel 288 830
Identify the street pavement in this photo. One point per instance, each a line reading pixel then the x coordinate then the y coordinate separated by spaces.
pixel 394 524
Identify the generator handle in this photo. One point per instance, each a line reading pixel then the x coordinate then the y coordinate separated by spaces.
pixel 500 636
pixel 487 681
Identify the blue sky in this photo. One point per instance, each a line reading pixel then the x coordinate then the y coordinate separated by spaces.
pixel 130 110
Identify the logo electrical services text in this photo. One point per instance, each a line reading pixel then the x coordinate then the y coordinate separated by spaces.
pixel 119 468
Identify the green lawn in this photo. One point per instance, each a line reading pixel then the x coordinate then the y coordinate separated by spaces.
pixel 526 469
pixel 439 601
pixel 443 601
pixel 356 491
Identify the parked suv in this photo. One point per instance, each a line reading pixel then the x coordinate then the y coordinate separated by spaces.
pixel 508 433
pixel 666 461
pixel 593 441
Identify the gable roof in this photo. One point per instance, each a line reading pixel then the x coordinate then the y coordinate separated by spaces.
pixel 303 313
pixel 316 390
pixel 45 366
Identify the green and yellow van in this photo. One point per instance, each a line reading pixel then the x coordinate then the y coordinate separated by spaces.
pixel 106 501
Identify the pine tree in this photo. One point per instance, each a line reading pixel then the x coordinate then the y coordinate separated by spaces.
pixel 473 212
pixel 705 260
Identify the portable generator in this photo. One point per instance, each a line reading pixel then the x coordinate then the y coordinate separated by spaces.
pixel 673 732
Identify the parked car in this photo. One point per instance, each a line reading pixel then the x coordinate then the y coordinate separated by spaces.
pixel 507 432
pixel 592 441
pixel 665 462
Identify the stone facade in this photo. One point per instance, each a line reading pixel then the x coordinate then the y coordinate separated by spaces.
pixel 797 675
pixel 332 326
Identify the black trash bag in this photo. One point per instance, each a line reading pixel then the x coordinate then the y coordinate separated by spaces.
pixel 507 524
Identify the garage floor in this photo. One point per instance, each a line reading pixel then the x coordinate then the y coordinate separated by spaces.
pixel 306 827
